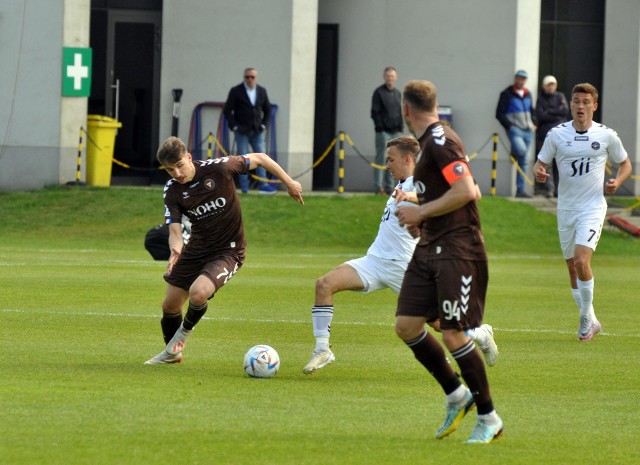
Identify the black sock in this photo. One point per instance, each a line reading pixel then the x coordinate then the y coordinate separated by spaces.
pixel 430 353
pixel 170 323
pixel 194 313
pixel 474 374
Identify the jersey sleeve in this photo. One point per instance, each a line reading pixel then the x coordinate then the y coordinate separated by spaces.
pixel 548 150
pixel 172 212
pixel 617 153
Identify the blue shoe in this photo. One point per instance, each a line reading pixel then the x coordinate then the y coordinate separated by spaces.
pixel 455 413
pixel 484 433
pixel 267 189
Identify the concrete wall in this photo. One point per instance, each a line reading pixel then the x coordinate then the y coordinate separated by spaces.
pixel 30 92
pixel 621 79
pixel 206 51
pixel 464 47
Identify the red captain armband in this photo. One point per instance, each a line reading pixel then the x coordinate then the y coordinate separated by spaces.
pixel 455 170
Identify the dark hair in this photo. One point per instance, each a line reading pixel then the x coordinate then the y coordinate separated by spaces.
pixel 421 95
pixel 171 151
pixel 407 145
pixel 585 88
pixel 390 68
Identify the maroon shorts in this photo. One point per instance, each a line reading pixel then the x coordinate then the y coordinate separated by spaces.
pixel 450 290
pixel 218 268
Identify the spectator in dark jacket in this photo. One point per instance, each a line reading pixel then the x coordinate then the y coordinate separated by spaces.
pixel 551 110
pixel 515 113
pixel 386 112
pixel 248 110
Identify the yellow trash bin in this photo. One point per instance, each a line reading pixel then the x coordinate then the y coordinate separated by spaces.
pixel 102 139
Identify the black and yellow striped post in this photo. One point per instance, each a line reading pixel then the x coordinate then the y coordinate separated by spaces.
pixel 210 145
pixel 494 163
pixel 79 161
pixel 341 164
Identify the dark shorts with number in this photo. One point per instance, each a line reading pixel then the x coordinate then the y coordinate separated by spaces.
pixel 452 290
pixel 219 268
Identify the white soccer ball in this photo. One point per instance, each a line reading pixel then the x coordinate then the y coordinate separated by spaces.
pixel 261 361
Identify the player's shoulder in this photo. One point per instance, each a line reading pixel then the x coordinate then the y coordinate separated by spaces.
pixel 599 128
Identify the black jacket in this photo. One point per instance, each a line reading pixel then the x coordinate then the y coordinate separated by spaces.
pixel 241 114
pixel 551 110
pixel 386 109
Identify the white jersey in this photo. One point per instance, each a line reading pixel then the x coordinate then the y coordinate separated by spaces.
pixel 581 158
pixel 394 241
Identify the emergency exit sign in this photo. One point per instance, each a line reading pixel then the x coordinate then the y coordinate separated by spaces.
pixel 76 72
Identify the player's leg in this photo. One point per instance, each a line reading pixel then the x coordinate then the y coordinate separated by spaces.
pixel 341 278
pixel 588 229
pixel 171 322
pixel 461 293
pixel 483 337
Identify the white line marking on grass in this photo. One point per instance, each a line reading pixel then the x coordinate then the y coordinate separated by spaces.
pixel 290 321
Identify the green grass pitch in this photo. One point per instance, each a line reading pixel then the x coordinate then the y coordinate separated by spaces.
pixel 80 304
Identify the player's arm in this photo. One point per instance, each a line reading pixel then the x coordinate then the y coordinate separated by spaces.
pixel 175 244
pixel 262 159
pixel 402 196
pixel 540 171
pixel 624 171
pixel 463 190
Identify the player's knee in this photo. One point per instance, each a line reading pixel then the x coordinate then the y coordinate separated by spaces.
pixel 407 331
pixel 324 287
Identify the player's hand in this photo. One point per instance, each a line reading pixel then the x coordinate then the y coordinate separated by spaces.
pixel 408 215
pixel 173 258
pixel 541 175
pixel 414 230
pixel 295 191
pixel 611 186
pixel 399 195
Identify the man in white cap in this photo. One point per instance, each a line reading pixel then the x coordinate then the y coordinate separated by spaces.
pixel 515 113
pixel 551 109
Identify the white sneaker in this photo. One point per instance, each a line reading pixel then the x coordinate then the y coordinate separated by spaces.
pixel 488 345
pixel 319 359
pixel 164 358
pixel 177 342
pixel 588 329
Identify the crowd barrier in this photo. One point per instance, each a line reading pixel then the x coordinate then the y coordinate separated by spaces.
pixel 215 148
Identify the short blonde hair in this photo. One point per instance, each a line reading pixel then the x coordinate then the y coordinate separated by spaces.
pixel 407 145
pixel 421 95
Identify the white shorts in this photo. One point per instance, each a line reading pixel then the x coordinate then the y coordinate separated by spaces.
pixel 580 228
pixel 379 273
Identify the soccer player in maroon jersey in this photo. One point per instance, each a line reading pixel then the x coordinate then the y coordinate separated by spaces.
pixel 205 192
pixel 448 274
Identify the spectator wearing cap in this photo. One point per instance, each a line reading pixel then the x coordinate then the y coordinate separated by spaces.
pixel 515 113
pixel 551 109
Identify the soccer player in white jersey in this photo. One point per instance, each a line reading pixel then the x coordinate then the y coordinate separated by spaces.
pixel 581 149
pixel 385 262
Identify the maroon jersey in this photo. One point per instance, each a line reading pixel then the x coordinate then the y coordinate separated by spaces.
pixel 212 205
pixel 441 161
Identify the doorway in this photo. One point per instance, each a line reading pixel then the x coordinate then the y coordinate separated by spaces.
pixel 326 103
pixel 126 46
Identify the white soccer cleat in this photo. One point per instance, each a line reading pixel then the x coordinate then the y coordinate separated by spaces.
pixel 164 358
pixel 178 341
pixel 588 329
pixel 488 345
pixel 319 359
pixel 484 433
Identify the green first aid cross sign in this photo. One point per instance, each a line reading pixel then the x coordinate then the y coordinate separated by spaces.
pixel 76 72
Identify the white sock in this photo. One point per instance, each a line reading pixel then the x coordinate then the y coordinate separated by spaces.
pixel 321 317
pixel 576 297
pixel 586 297
pixel 472 334
pixel 457 395
pixel 490 418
